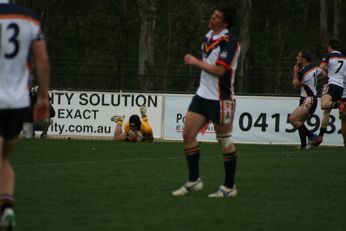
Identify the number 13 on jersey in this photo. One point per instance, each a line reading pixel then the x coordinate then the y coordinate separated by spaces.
pixel 10 45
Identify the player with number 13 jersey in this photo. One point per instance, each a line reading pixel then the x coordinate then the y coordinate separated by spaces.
pixel 20 27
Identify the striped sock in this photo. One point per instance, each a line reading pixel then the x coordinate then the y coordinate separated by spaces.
pixel 302 138
pixel 6 201
pixel 192 157
pixel 322 131
pixel 230 162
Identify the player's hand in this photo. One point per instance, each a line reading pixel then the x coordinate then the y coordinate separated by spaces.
pixel 132 135
pixel 190 59
pixel 135 136
pixel 41 109
pixel 295 69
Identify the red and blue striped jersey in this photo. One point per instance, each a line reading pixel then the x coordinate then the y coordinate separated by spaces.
pixel 222 49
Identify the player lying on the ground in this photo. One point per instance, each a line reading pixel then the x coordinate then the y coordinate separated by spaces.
pixel 135 130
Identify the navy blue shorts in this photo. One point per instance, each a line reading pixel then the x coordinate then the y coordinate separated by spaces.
pixel 334 91
pixel 218 111
pixel 11 122
pixel 309 102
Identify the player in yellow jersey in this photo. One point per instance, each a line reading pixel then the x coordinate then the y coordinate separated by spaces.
pixel 135 130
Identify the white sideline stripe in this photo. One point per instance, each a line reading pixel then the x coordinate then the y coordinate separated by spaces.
pixel 106 161
pixel 132 160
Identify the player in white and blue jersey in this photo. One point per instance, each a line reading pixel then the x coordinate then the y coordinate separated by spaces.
pixel 334 63
pixel 20 34
pixel 343 114
pixel 214 100
pixel 305 77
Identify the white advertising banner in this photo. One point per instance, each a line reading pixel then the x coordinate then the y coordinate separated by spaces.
pixel 257 120
pixel 89 113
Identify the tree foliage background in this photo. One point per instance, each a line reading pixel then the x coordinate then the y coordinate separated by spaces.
pixel 139 45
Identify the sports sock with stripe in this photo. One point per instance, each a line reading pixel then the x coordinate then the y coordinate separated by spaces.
pixel 192 157
pixel 6 201
pixel 230 162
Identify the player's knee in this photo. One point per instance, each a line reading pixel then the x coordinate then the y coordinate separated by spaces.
pixel 295 123
pixel 225 140
pixel 325 105
pixel 291 119
pixel 189 136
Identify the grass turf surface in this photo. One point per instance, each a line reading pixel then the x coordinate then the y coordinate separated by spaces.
pixel 104 185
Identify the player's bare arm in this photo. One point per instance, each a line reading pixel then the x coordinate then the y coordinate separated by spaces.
pixel 213 69
pixel 295 81
pixel 323 74
pixel 324 67
pixel 41 109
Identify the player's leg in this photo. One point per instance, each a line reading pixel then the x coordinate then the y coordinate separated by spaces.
pixel 343 126
pixel 118 132
pixel 325 121
pixel 331 98
pixel 229 155
pixel 326 101
pixel 28 125
pixel 302 138
pixel 194 121
pixel 7 181
pixel 297 119
pixel 11 122
pixel 28 130
pixel 223 127
pixel 323 127
pixel 300 115
pixel 193 124
pixel 145 125
pixel 292 118
pixel 143 111
pixel 144 117
pixel 147 130
pixel 45 127
pixel 326 106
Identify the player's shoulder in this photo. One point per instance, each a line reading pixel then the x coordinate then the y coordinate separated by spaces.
pixel 17 10
pixel 229 39
pixel 308 70
pixel 312 66
pixel 334 54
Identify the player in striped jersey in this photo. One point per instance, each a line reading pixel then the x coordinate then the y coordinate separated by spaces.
pixel 334 63
pixel 343 114
pixel 305 77
pixel 20 34
pixel 214 100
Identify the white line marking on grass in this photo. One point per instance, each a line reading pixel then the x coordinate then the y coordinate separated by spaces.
pixel 92 162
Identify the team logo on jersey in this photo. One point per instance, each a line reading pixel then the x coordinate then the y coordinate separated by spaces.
pixel 223 54
pixel 228 116
pixel 210 44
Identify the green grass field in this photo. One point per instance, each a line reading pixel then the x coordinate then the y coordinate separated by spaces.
pixel 75 185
